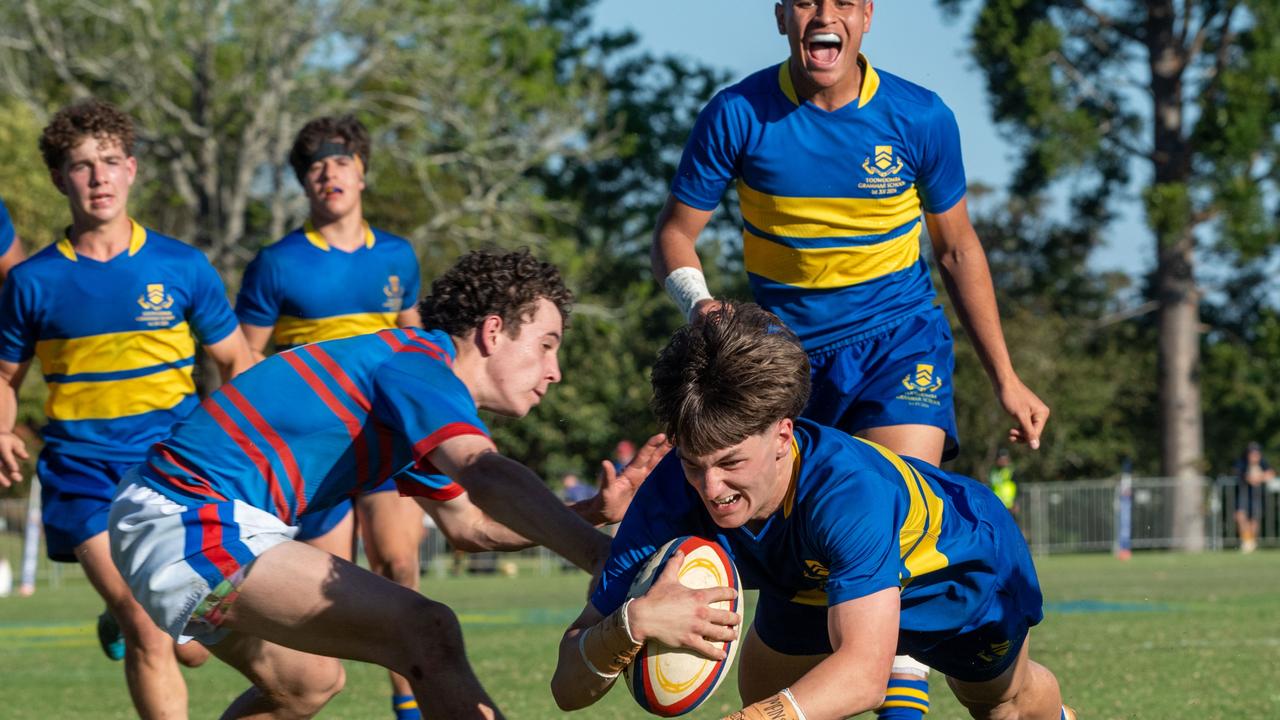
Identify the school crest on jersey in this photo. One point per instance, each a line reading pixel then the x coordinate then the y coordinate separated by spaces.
pixel 155 302
pixel 922 386
pixel 394 292
pixel 882 168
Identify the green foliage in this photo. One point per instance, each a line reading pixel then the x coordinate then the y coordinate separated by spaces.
pixel 38 210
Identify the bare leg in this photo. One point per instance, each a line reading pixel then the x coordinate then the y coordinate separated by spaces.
pixel 340 540
pixel 392 530
pixel 150 667
pixel 302 598
pixel 1026 691
pixel 287 684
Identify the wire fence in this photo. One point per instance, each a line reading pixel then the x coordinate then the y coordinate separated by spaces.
pixel 1056 517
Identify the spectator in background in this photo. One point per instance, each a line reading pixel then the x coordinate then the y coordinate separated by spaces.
pixel 1252 473
pixel 1001 480
pixel 622 454
pixel 573 490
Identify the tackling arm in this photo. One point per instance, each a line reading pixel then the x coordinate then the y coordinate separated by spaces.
pixel 257 336
pixel 965 272
pixel 231 354
pixel 513 496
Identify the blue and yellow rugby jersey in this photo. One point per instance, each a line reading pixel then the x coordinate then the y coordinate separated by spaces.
pixel 114 339
pixel 7 233
pixel 311 291
pixel 857 519
pixel 310 427
pixel 831 201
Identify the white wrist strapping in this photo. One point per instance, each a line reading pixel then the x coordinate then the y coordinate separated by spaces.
pixel 794 704
pixel 687 287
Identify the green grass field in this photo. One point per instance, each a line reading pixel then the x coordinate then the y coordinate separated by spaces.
pixel 1162 636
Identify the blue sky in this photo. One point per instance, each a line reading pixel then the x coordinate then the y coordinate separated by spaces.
pixel 911 38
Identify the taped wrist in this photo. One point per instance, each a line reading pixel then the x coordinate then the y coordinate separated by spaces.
pixel 608 646
pixel 779 707
pixel 687 287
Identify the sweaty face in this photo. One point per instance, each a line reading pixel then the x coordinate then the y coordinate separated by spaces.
pixel 746 481
pixel 333 186
pixel 825 37
pixel 523 368
pixel 96 177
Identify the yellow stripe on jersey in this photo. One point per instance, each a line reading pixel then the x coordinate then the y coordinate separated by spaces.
pixel 105 400
pixel 827 217
pixel 813 596
pixel 870 81
pixel 297 331
pixel 918 536
pixel 825 268
pixel 137 238
pixel 114 352
pixel 315 238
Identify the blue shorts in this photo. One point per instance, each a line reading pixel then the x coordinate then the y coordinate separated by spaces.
pixel 75 496
pixel 896 374
pixel 314 525
pixel 978 649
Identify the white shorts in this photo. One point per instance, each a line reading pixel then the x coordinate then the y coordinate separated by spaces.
pixel 185 563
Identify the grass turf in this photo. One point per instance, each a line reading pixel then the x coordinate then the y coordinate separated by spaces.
pixel 1162 636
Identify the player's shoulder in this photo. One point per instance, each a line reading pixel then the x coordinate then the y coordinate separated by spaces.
pixel 37 265
pixel 838 469
pixel 908 98
pixel 749 94
pixel 291 242
pixel 385 238
pixel 166 246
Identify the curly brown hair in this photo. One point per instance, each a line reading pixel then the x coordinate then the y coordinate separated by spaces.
pixel 727 377
pixel 86 118
pixel 488 282
pixel 347 128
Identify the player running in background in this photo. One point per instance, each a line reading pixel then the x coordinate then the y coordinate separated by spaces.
pixel 110 310
pixel 10 244
pixel 858 553
pixel 835 163
pixel 336 277
pixel 203 530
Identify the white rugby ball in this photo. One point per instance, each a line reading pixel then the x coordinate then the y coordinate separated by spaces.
pixel 667 681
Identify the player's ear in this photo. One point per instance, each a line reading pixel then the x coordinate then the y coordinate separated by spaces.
pixel 785 431
pixel 488 332
pixel 779 16
pixel 56 177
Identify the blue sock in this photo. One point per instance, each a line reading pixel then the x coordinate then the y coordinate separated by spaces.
pixel 406 707
pixel 905 700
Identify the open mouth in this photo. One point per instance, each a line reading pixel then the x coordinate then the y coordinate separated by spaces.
pixel 727 502
pixel 824 49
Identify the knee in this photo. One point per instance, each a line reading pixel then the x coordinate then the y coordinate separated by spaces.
pixel 436 639
pixel 402 568
pixel 141 634
pixel 191 654
pixel 305 694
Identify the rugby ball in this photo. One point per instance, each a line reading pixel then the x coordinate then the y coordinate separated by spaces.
pixel 667 681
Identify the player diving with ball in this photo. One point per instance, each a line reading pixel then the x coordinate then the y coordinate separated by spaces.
pixel 859 554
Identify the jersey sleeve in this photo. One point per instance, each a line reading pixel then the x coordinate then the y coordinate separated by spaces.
pixel 258 302
pixel 417 395
pixel 711 156
pixel 210 314
pixel 17 320
pixel 859 539
pixel 940 177
pixel 7 233
pixel 659 512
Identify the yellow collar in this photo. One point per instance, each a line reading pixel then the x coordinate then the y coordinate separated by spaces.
pixel 870 81
pixel 318 240
pixel 789 500
pixel 137 238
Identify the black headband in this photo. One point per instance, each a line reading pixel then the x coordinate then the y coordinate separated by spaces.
pixel 329 149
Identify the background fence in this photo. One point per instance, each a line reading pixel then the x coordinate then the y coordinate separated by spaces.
pixel 1056 517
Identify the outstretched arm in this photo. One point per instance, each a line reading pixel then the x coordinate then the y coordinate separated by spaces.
pixel 596 648
pixel 514 497
pixel 852 679
pixel 965 272
pixel 673 250
pixel 12 449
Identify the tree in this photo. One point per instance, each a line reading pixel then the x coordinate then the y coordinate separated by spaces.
pixel 1190 91
pixel 457 94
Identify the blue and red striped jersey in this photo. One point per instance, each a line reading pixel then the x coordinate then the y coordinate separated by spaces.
pixel 312 426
